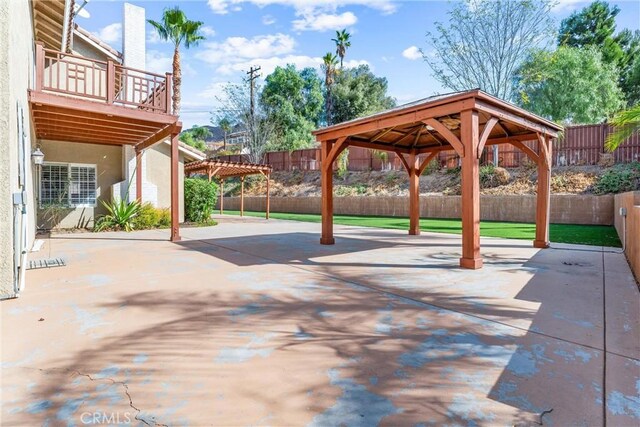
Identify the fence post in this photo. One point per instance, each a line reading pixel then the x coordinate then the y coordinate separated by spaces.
pixel 168 92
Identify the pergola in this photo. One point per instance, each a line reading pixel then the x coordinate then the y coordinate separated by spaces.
pixel 466 122
pixel 223 170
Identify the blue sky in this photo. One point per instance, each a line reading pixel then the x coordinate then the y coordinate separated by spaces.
pixel 241 33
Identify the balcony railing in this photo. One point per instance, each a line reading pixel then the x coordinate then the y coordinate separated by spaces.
pixel 102 81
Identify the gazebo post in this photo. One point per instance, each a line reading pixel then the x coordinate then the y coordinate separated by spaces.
pixel 327 194
pixel 469 136
pixel 544 193
pixel 175 189
pixel 221 196
pixel 139 176
pixel 242 196
pixel 268 175
pixel 414 194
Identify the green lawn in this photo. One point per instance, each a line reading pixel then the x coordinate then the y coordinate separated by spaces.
pixel 597 235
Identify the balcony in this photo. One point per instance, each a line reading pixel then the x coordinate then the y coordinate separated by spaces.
pixel 87 100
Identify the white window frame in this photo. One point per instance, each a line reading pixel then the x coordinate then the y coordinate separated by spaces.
pixel 69 166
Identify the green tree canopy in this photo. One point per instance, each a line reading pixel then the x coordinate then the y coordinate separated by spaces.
pixel 569 85
pixel 357 92
pixel 595 26
pixel 195 137
pixel 293 102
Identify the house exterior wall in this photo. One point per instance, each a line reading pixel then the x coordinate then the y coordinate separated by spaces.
pixel 108 160
pixel 158 163
pixel 16 75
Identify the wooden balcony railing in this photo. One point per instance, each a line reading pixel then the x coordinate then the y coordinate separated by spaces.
pixel 102 81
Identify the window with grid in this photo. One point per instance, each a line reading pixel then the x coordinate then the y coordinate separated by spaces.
pixel 70 185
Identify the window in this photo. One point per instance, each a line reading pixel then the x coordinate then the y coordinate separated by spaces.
pixel 72 185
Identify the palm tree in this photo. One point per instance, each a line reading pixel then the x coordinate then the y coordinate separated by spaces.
pixel 226 126
pixel 329 63
pixel 176 28
pixel 343 42
pixel 627 123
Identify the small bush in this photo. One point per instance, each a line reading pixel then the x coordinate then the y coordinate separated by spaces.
pixel 618 179
pixel 432 167
pixel 343 164
pixel 199 199
pixel 151 217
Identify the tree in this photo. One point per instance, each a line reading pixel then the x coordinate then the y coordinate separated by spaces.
pixel 293 102
pixel 189 138
pixel 570 85
pixel 485 42
pixel 595 26
pixel 357 92
pixel 179 30
pixel 200 132
pixel 343 42
pixel 226 125
pixel 627 123
pixel 329 63
pixel 236 105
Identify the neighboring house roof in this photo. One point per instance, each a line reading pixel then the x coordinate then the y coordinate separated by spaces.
pixel 97 43
pixel 189 152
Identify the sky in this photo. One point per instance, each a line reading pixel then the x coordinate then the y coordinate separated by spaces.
pixel 386 34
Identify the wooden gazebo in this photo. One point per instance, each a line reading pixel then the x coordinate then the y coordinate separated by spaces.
pixel 465 122
pixel 222 170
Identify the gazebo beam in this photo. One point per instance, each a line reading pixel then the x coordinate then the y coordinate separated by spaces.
pixel 470 138
pixel 175 190
pixel 414 194
pixel 327 194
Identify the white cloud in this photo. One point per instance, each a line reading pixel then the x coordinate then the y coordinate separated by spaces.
pixel 224 6
pixel 236 49
pixel 324 21
pixel 112 33
pixel 412 53
pixel 268 20
pixel 207 31
pixel 160 63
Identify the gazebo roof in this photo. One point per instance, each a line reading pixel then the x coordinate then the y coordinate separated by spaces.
pixel 223 169
pixel 404 129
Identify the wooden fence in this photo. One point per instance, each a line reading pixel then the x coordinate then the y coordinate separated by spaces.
pixel 580 145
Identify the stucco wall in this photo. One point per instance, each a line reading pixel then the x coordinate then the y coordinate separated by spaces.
pixel 158 162
pixel 16 71
pixel 565 209
pixel 108 160
pixel 630 201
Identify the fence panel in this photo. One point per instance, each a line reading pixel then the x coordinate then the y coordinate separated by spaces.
pixel 581 145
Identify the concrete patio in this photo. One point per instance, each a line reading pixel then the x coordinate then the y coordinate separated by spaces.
pixel 255 323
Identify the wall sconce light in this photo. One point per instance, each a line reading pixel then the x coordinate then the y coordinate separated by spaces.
pixel 37 156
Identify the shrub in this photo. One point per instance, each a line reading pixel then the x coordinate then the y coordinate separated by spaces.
pixel 618 179
pixel 199 199
pixel 152 217
pixel 432 167
pixel 491 176
pixel 343 164
pixel 120 216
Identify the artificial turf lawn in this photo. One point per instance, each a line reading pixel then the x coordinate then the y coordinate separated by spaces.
pixel 596 235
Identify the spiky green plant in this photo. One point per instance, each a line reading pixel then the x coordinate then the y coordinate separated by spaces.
pixel 120 215
pixel 627 123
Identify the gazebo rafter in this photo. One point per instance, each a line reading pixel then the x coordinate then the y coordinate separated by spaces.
pixel 466 122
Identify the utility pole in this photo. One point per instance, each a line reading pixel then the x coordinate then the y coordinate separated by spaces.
pixel 253 75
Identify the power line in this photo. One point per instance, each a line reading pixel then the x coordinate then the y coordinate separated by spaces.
pixel 252 79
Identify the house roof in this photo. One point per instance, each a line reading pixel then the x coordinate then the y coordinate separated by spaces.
pixel 50 20
pixel 97 43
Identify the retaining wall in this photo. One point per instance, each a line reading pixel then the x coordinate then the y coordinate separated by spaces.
pixel 630 201
pixel 565 209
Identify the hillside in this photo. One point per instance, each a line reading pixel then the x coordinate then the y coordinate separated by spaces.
pixel 564 180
